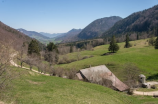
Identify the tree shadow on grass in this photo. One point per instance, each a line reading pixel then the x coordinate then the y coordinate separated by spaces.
pixel 108 53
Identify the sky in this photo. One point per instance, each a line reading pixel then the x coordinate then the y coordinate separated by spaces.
pixel 60 16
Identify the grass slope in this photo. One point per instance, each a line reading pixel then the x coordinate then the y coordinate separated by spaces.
pixel 143 56
pixel 32 88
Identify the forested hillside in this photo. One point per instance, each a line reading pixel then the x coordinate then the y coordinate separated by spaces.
pixel 97 27
pixel 143 21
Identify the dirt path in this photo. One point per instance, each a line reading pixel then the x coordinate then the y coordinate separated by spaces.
pixel 1 102
pixel 16 65
pixel 151 93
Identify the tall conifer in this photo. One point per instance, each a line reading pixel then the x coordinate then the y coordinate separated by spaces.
pixel 127 44
pixel 33 48
pixel 156 43
pixel 113 45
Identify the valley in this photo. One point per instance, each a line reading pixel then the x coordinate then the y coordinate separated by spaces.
pixel 110 60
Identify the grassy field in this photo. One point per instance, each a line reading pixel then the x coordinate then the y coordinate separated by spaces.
pixel 141 54
pixel 32 88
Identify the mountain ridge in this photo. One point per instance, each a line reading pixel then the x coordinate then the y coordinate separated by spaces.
pixel 97 27
pixel 142 21
pixel 11 37
pixel 32 34
pixel 69 36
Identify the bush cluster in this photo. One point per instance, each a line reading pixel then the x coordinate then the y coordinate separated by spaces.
pixel 61 72
pixel 65 59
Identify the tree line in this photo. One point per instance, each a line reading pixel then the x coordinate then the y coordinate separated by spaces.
pixel 113 47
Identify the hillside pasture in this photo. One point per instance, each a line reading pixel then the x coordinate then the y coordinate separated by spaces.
pixel 141 54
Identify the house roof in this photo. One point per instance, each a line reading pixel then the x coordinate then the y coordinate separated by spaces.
pixel 79 76
pixel 97 73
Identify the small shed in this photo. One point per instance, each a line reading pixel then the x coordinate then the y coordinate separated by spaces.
pixel 98 73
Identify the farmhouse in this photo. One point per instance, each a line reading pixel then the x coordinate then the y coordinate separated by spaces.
pixel 98 74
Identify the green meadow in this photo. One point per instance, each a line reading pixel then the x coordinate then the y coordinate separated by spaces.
pixel 145 57
pixel 32 88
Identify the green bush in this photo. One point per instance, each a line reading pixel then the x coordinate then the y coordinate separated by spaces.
pixel 153 77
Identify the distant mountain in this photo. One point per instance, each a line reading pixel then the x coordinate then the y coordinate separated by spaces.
pixel 143 21
pixel 33 34
pixel 97 27
pixel 69 36
pixel 51 35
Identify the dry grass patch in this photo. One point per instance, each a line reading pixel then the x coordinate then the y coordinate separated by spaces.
pixel 36 83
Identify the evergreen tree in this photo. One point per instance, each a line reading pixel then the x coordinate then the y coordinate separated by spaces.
pixel 156 31
pixel 33 48
pixel 156 43
pixel 137 36
pixel 127 44
pixel 113 45
pixel 71 49
pixel 51 46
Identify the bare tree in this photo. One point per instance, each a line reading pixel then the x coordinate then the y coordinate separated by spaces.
pixel 29 61
pixel 71 74
pixel 78 55
pixel 21 54
pixel 32 60
pixel 5 73
pixel 63 49
pixel 131 73
pixel 39 65
pixel 51 57
pixel 52 71
pixel 89 46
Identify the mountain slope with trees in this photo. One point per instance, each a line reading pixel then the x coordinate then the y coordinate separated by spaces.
pixel 143 21
pixel 97 27
pixel 12 37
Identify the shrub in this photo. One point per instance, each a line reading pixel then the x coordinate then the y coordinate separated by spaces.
pixel 91 56
pixel 53 72
pixel 59 72
pixel 85 57
pixel 130 91
pixel 61 61
pixel 66 59
pixel 71 74
pixel 153 77
pixel 72 60
pixel 151 41
pixel 153 87
pixel 131 73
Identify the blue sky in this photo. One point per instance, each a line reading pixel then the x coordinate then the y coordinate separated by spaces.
pixel 59 16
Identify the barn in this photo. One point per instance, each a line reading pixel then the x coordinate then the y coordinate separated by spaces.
pixel 98 73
